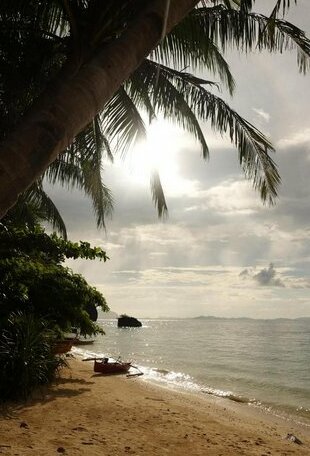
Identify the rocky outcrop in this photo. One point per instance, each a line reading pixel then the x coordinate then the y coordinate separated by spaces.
pixel 124 321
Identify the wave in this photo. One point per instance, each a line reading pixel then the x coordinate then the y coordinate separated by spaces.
pixel 181 381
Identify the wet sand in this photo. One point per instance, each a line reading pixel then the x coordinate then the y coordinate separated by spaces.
pixel 90 415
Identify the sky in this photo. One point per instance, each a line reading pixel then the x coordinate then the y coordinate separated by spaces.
pixel 220 252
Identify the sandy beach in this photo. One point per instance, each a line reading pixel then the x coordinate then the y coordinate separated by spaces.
pixel 90 415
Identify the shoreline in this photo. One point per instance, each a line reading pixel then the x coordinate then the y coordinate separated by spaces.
pixel 154 377
pixel 251 408
pixel 85 414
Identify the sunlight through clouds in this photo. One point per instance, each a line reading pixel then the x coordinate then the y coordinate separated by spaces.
pixel 217 225
pixel 160 151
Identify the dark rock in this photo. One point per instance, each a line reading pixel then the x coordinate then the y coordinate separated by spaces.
pixel 124 321
pixel 23 424
pixel 61 450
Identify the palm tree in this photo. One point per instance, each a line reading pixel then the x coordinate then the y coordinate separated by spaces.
pixel 87 77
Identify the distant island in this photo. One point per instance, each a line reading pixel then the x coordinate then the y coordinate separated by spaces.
pixel 211 317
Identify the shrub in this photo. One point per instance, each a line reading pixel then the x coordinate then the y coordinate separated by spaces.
pixel 26 356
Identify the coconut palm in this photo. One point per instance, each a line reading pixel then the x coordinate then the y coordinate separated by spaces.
pixel 87 78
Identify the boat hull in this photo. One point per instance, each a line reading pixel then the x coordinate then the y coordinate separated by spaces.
pixel 107 368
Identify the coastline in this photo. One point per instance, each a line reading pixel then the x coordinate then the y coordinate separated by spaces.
pixel 85 414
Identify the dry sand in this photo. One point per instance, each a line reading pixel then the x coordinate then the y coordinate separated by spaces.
pixel 90 415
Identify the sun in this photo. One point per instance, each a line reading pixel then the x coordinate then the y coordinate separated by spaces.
pixel 161 151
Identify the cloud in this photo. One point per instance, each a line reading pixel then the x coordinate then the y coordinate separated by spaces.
pixel 262 114
pixel 265 277
pixel 301 137
pixel 232 197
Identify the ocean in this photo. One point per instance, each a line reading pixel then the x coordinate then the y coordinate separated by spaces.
pixel 262 363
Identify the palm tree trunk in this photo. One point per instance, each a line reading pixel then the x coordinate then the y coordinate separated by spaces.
pixel 75 97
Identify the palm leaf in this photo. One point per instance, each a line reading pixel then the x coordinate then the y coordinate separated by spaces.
pixel 34 206
pixel 284 4
pixel 47 210
pixel 81 167
pixel 252 145
pixel 93 186
pixel 66 170
pixel 229 27
pixel 139 92
pixel 158 195
pixel 122 122
pixel 187 45
pixel 169 101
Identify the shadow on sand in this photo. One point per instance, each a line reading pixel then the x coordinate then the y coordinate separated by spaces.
pixel 62 387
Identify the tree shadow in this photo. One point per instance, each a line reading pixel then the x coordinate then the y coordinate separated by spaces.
pixel 61 387
pixel 72 381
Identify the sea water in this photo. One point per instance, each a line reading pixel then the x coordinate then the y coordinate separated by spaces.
pixel 263 363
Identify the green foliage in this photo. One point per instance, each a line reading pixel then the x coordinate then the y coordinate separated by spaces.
pixel 33 280
pixel 37 244
pixel 26 356
pixel 40 299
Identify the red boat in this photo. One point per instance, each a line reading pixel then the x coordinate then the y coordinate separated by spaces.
pixel 114 367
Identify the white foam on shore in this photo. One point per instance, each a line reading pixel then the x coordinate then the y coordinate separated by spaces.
pixel 179 381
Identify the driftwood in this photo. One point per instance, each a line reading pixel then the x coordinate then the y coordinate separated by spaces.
pixel 294 439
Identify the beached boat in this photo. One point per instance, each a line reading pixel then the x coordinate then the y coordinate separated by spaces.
pixel 104 366
pixel 109 366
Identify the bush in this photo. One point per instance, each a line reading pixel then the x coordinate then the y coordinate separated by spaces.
pixel 40 299
pixel 26 356
pixel 34 280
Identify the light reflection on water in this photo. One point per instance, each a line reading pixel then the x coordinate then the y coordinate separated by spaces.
pixel 262 361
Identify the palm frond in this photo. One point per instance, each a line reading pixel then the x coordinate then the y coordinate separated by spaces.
pixel 183 99
pixel 91 138
pixel 33 207
pixel 284 4
pixel 158 195
pixel 93 186
pixel 139 92
pixel 23 213
pixel 252 145
pixel 66 170
pixel 81 167
pixel 187 45
pixel 229 27
pixel 169 101
pixel 38 197
pixel 101 141
pixel 122 122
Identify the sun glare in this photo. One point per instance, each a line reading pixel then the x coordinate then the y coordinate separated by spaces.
pixel 161 152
